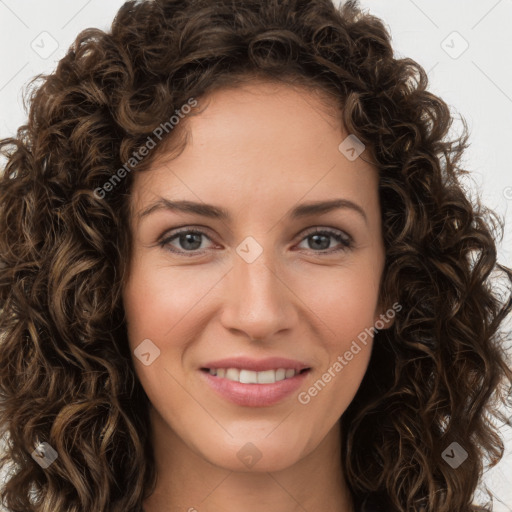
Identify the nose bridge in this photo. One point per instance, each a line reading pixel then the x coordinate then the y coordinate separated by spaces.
pixel 257 300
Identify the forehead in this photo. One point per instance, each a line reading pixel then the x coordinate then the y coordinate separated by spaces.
pixel 260 144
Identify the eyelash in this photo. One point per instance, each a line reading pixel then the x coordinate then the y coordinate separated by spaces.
pixel 346 241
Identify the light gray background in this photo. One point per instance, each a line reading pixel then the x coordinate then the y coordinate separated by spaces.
pixel 475 81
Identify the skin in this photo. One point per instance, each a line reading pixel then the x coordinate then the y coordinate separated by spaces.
pixel 258 151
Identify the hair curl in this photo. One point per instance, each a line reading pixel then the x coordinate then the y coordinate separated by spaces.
pixel 437 375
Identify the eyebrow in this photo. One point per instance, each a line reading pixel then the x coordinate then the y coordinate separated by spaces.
pixel 217 212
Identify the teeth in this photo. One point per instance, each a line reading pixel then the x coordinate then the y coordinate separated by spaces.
pixel 251 377
pixel 233 374
pixel 248 377
pixel 266 377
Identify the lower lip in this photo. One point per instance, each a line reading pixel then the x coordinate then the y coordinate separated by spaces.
pixel 254 395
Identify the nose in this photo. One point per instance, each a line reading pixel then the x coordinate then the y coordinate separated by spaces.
pixel 258 301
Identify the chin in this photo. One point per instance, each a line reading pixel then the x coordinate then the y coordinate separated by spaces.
pixel 257 456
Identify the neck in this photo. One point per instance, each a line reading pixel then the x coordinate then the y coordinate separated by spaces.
pixel 187 481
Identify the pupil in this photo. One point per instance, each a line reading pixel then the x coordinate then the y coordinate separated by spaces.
pixel 189 237
pixel 316 237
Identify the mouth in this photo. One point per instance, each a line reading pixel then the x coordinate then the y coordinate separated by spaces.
pixel 250 388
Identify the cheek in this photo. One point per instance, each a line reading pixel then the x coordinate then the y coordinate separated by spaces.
pixel 344 304
pixel 156 302
pixel 347 342
pixel 162 304
pixel 328 396
pixel 344 301
pixel 159 300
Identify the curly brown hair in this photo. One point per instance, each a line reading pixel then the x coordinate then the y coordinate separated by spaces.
pixel 438 375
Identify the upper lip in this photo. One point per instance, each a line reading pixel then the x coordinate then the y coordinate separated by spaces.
pixel 256 365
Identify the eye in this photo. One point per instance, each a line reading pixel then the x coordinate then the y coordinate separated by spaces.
pixel 319 238
pixel 189 241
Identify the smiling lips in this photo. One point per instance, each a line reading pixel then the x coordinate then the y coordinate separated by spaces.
pixel 252 383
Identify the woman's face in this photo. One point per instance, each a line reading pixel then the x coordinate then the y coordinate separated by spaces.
pixel 256 284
